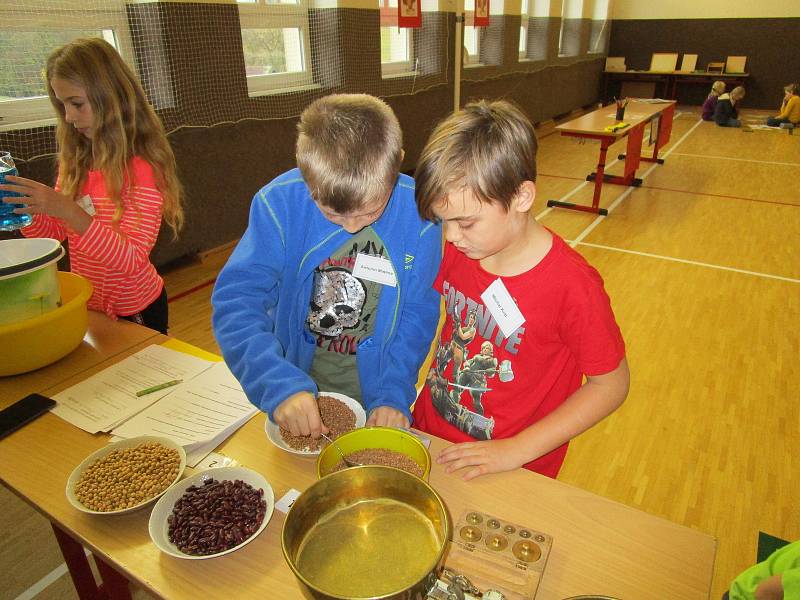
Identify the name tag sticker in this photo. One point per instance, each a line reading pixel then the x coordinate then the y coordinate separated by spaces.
pixel 374 268
pixel 502 307
pixel 215 460
pixel 86 204
pixel 285 503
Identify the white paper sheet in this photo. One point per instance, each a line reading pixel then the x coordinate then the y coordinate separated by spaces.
pixel 107 398
pixel 195 414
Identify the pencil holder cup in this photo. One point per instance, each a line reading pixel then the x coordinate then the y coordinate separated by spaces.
pixel 620 113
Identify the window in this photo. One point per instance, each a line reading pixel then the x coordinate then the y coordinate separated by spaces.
pixel 533 37
pixel 569 39
pixel 276 44
pixel 472 36
pixel 397 44
pixel 598 39
pixel 27 36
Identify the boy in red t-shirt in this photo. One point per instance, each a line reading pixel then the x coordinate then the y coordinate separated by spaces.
pixel 541 318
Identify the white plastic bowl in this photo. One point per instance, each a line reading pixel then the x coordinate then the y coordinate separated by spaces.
pixel 159 528
pixel 28 278
pixel 274 431
pixel 129 443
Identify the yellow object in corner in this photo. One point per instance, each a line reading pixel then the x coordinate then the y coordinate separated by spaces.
pixel 616 127
pixel 37 342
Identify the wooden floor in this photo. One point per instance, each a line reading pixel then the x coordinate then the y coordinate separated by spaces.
pixel 703 267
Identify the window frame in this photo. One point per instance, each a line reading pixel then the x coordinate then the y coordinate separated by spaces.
pixel 599 13
pixel 524 15
pixel 536 9
pixel 397 68
pixel 259 14
pixel 570 9
pixel 39 15
pixel 469 21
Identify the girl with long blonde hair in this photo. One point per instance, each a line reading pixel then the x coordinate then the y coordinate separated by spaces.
pixel 116 181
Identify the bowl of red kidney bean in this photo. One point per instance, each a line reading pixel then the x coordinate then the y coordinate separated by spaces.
pixel 212 513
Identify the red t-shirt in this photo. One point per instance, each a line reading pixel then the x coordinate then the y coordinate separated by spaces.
pixel 484 386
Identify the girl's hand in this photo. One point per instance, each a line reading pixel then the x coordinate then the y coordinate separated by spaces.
pixel 41 199
pixel 480 458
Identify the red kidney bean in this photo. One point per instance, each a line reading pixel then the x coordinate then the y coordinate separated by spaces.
pixel 215 516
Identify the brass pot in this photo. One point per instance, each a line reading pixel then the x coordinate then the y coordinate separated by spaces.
pixel 366 533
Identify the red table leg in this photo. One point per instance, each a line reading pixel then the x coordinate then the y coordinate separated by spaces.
pixel 78 565
pixel 114 586
pixel 598 184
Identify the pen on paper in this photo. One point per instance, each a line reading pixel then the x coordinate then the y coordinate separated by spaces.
pixel 158 387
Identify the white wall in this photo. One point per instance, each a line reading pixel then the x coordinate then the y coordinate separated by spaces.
pixel 704 9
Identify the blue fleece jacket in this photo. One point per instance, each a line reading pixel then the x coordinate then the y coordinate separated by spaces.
pixel 262 295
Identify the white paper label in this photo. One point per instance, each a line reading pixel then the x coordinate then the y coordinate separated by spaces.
pixel 86 204
pixel 426 441
pixel 502 307
pixel 215 460
pixel 285 503
pixel 374 268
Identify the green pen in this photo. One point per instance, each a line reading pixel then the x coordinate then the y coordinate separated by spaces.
pixel 158 387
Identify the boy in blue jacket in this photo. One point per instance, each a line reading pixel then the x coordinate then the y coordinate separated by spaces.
pixel 330 288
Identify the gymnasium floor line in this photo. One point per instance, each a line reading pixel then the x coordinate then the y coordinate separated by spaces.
pixel 628 192
pixel 663 189
pixel 192 290
pixel 582 185
pixel 685 261
pixel 46 581
pixel 43 583
pixel 762 162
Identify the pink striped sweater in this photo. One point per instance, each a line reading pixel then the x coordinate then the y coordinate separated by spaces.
pixel 115 260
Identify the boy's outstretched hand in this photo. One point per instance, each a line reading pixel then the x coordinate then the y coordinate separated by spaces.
pixel 480 458
pixel 299 413
pixel 386 416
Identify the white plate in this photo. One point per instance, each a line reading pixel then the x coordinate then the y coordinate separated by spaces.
pixel 159 529
pixel 274 431
pixel 129 443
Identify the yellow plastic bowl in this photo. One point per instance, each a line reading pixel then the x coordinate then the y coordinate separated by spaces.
pixel 375 437
pixel 37 342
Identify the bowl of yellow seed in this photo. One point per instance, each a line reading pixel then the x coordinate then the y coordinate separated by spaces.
pixel 125 475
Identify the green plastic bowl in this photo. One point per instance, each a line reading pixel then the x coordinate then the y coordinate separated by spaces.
pixel 364 438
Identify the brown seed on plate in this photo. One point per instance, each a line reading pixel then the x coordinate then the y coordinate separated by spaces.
pixel 382 456
pixel 337 416
pixel 127 477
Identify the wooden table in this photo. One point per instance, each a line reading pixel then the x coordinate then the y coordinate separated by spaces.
pixel 104 340
pixel 593 126
pixel 671 79
pixel 599 546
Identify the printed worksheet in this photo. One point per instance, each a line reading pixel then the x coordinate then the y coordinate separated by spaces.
pixel 209 407
pixel 109 397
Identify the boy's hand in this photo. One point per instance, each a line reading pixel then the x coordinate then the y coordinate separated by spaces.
pixel 480 458
pixel 386 416
pixel 299 413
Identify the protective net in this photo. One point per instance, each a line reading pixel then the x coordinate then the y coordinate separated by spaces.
pixel 208 63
